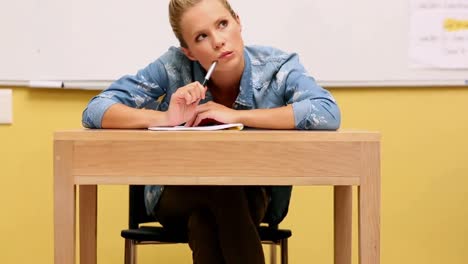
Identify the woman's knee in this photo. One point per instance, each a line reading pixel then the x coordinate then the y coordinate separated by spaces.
pixel 201 219
pixel 241 201
pixel 258 203
pixel 226 195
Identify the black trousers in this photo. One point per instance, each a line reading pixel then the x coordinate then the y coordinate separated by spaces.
pixel 221 221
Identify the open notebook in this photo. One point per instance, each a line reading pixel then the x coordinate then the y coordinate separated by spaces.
pixel 236 126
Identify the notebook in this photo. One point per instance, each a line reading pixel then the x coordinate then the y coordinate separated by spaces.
pixel 234 126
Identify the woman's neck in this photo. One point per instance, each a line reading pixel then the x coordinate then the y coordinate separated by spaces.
pixel 225 95
pixel 224 80
pixel 224 85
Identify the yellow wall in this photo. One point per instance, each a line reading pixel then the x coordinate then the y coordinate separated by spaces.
pixel 424 180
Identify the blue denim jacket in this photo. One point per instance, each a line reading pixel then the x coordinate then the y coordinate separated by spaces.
pixel 271 78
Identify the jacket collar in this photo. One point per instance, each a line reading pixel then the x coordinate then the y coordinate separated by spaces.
pixel 245 97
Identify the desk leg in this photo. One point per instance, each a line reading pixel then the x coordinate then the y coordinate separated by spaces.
pixel 343 196
pixel 64 204
pixel 369 205
pixel 88 217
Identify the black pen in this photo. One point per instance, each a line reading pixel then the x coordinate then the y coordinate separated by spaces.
pixel 208 74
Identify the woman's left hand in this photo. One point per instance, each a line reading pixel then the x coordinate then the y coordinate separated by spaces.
pixel 214 111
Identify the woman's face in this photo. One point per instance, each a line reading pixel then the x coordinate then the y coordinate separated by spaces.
pixel 212 33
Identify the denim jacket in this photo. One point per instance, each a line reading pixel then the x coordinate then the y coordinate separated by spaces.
pixel 271 78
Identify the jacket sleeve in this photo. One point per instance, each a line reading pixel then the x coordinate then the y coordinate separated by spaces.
pixel 138 91
pixel 313 106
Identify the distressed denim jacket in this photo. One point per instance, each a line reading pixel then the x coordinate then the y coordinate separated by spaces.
pixel 271 78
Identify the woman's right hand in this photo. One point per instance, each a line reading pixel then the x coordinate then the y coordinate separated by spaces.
pixel 183 103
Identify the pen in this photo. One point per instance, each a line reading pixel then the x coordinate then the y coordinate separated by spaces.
pixel 208 74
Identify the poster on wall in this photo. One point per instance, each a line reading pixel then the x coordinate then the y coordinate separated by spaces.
pixel 439 34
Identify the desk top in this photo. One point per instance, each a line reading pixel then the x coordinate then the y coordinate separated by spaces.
pixel 221 135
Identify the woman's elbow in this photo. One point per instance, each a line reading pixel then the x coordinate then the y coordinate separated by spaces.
pixel 335 118
pixel 328 118
pixel 333 124
pixel 324 122
pixel 86 120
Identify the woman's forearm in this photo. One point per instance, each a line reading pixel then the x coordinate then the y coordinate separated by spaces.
pixel 274 118
pixel 122 116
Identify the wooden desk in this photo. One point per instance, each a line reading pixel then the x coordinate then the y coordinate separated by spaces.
pixel 87 158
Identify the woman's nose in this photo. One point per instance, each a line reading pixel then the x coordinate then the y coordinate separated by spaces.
pixel 218 41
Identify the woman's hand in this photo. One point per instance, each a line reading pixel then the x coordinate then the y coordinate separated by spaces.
pixel 213 111
pixel 184 102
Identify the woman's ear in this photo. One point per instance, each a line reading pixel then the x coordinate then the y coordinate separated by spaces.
pixel 189 54
pixel 239 22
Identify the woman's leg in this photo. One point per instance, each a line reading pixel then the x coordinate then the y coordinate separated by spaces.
pixel 203 239
pixel 237 231
pixel 227 214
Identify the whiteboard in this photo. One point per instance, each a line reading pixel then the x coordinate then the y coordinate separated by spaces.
pixel 341 42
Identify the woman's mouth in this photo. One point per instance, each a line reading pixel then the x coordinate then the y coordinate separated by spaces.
pixel 225 55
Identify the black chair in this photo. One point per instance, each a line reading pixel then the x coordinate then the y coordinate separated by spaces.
pixel 138 234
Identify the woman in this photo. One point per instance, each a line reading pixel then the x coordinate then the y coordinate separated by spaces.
pixel 261 87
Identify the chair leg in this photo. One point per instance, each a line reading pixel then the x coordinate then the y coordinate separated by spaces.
pixel 130 252
pixel 284 251
pixel 273 254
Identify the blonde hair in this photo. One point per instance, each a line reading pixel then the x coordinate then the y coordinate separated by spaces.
pixel 178 7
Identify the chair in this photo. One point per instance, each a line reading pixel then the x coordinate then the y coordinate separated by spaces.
pixel 137 234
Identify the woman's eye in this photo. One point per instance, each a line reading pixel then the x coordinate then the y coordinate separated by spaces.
pixel 200 37
pixel 223 24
